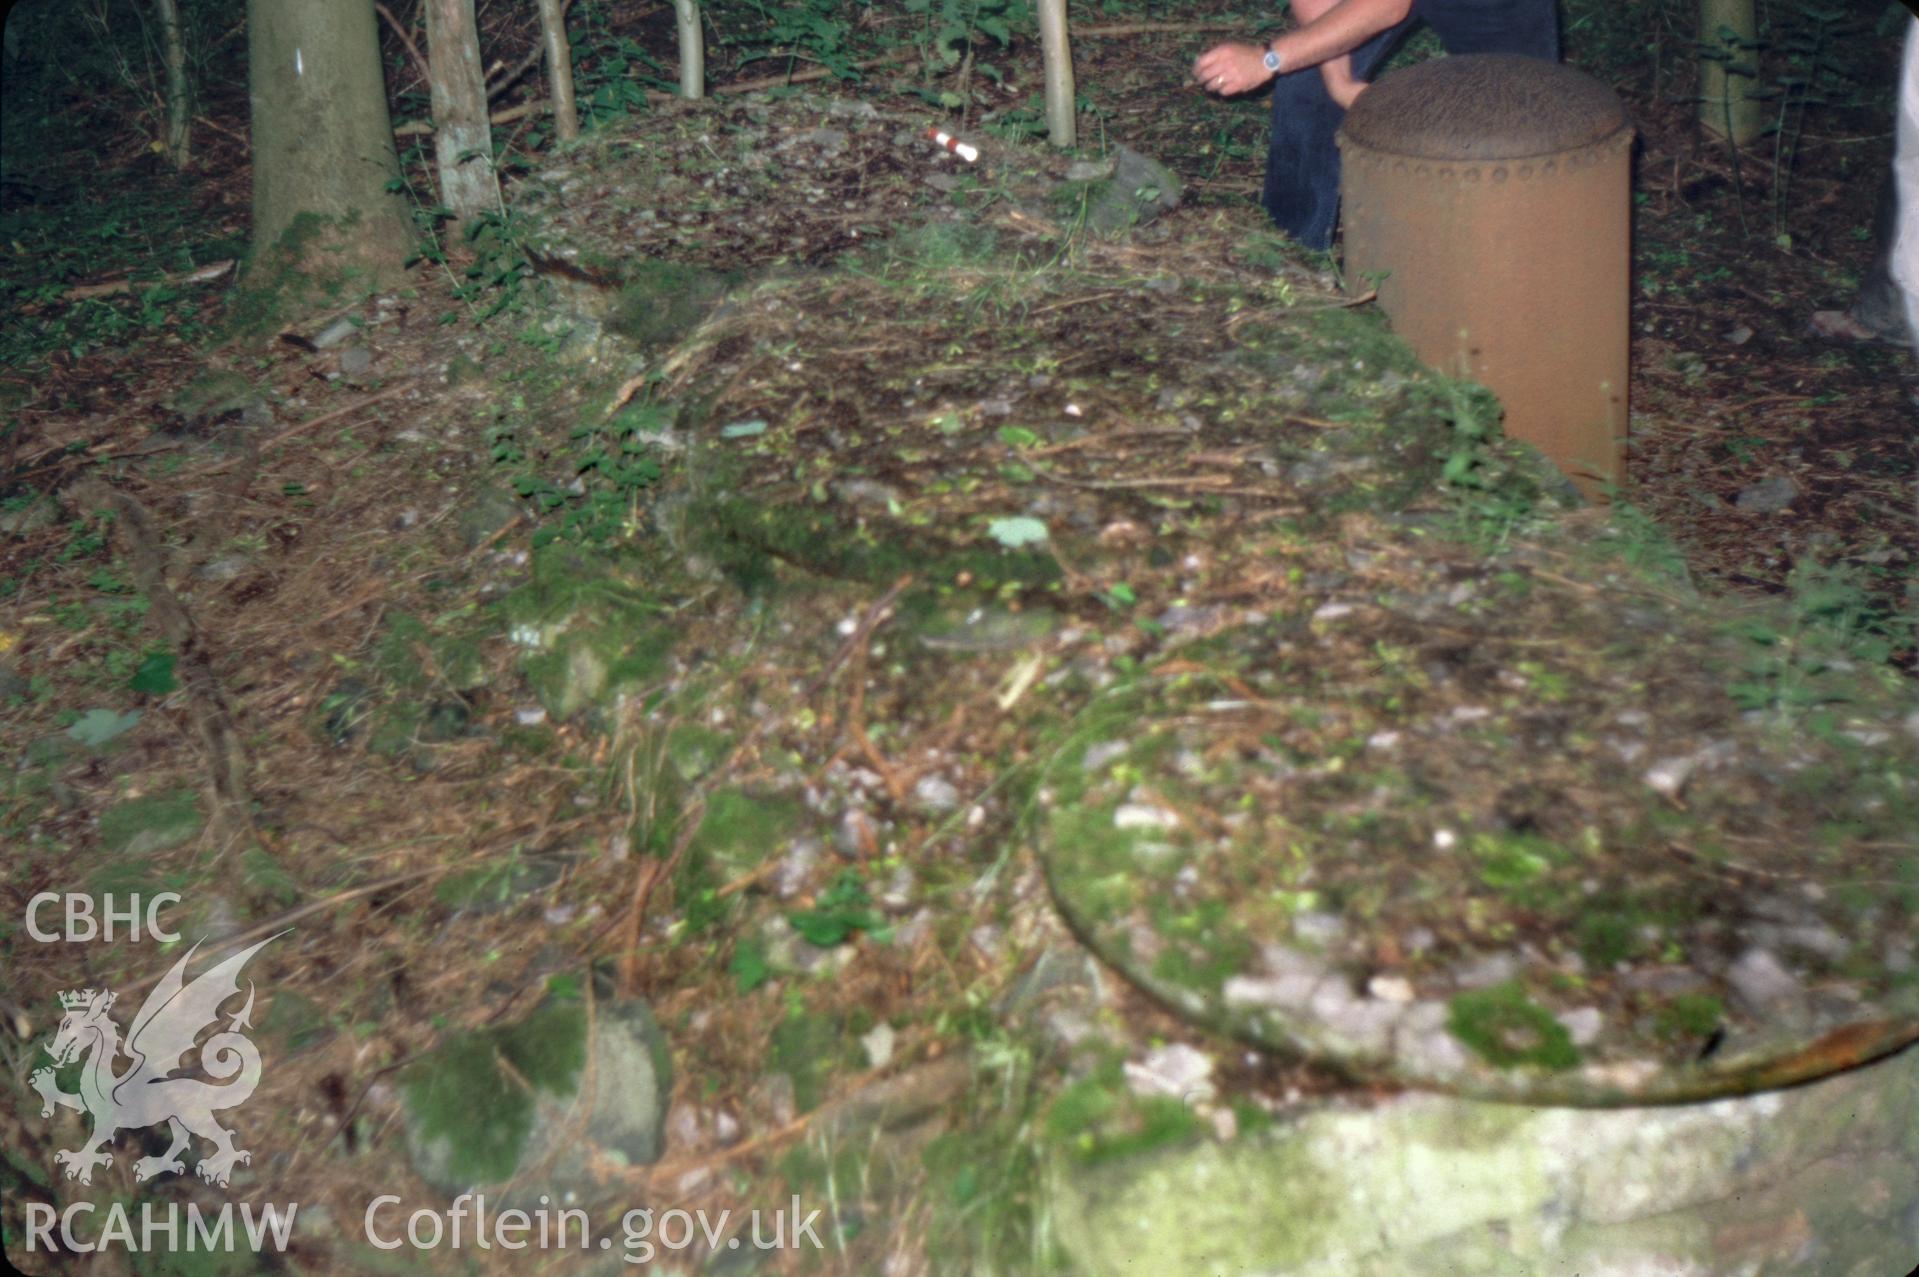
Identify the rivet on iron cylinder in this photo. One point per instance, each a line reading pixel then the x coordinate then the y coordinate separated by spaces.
pixel 1521 283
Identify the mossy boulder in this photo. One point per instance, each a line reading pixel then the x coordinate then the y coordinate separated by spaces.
pixel 536 1103
pixel 588 629
pixel 1397 829
pixel 1819 1178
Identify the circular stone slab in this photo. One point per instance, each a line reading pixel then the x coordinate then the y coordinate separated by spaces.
pixel 1500 834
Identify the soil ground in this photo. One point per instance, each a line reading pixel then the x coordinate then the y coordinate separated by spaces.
pixel 312 554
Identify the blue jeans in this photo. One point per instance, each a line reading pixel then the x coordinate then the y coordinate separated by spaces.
pixel 1302 163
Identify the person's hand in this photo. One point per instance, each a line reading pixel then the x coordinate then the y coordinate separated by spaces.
pixel 1230 69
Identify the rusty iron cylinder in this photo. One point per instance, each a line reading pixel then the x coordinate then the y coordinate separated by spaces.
pixel 1489 197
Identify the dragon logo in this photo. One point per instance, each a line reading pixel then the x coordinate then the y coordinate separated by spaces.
pixel 147 1093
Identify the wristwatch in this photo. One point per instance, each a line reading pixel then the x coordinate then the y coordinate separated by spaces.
pixel 1272 61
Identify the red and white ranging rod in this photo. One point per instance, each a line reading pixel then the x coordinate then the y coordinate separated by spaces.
pixel 964 150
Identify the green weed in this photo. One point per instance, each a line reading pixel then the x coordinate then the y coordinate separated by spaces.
pixel 1836 634
pixel 1494 499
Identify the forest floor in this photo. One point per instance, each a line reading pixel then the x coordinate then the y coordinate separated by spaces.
pixel 1782 464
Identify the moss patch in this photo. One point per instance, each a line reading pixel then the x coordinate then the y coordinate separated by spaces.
pixel 470 1100
pixel 142 826
pixel 1507 1029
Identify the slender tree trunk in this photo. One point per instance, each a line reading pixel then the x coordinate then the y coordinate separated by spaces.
pixel 1062 124
pixel 692 49
pixel 1727 107
pixel 559 68
pixel 462 137
pixel 326 180
pixel 179 101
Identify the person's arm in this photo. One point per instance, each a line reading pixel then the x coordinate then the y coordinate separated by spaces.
pixel 1342 86
pixel 1905 172
pixel 1229 69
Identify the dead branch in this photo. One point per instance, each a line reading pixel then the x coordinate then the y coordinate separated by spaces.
pixel 412 49
pixel 200 275
pixel 1156 28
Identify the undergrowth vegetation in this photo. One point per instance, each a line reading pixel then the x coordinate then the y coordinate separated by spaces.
pixel 522 661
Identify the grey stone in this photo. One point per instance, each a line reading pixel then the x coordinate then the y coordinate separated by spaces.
pixel 1762 983
pixel 866 492
pixel 1318 928
pixel 901 888
pixel 789 953
pixel 1768 496
pixel 1391 988
pixel 336 332
pixel 878 1044
pixel 1486 970
pixel 796 868
pixel 213 396
pixel 1362 1025
pixel 1140 190
pixel 1061 975
pixel 1177 1070
pixel 1669 775
pixel 1666 981
pixel 484 514
pixel 830 140
pixel 1144 816
pixel 1822 1178
pixel 935 793
pixel 1582 1025
pixel 1287 979
pixel 1182 621
pixel 355 361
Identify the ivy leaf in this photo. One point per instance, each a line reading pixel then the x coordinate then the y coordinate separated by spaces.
pixel 843 910
pixel 155 675
pixel 749 967
pixel 1017 531
pixel 98 726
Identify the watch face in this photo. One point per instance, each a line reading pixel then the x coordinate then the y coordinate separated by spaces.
pixel 1272 60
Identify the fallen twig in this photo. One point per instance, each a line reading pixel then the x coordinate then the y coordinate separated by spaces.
pixel 1155 28
pixel 199 275
pixel 227 463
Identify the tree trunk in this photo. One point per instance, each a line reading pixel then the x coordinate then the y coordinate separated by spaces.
pixel 1727 107
pixel 462 138
pixel 179 101
pixel 559 69
pixel 326 180
pixel 692 49
pixel 1062 124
